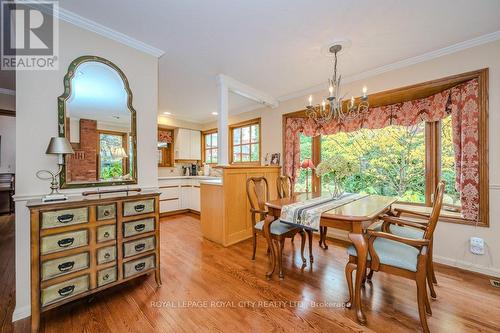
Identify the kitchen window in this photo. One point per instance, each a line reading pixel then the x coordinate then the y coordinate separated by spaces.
pixel 245 142
pixel 210 146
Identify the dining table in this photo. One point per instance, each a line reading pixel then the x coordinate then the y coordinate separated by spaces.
pixel 354 216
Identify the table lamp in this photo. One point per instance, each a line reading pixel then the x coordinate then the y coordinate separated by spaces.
pixel 59 146
pixel 307 164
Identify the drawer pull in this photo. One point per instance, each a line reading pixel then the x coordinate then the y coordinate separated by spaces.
pixel 66 266
pixel 106 213
pixel 140 247
pixel 66 290
pixel 65 242
pixel 139 208
pixel 65 218
pixel 140 227
pixel 106 234
pixel 107 255
pixel 105 277
pixel 140 267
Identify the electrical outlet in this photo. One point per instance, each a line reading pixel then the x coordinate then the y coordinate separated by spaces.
pixel 495 283
pixel 477 245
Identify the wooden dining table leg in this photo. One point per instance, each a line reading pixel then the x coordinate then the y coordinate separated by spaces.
pixel 266 231
pixel 361 246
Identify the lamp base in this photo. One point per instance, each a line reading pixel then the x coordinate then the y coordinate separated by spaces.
pixel 54 197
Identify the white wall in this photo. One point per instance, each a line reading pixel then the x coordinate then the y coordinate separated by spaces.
pixel 451 243
pixel 8 144
pixel 36 101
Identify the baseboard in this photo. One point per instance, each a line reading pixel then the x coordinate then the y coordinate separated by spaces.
pixel 21 313
pixel 180 211
pixel 466 266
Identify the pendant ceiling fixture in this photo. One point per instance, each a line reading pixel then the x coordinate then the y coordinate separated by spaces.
pixel 333 107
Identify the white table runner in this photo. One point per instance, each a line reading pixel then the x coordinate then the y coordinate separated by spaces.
pixel 307 214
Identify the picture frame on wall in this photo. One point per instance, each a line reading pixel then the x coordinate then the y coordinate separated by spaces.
pixel 275 159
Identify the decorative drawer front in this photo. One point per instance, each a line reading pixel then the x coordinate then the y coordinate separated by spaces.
pixel 138 266
pixel 131 208
pixel 138 246
pixel 170 192
pixel 106 233
pixel 106 254
pixel 106 276
pixel 64 241
pixel 106 212
pixel 138 227
pixel 61 266
pixel 61 218
pixel 64 290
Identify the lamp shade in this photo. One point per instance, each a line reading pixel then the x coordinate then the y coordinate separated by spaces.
pixel 307 164
pixel 118 153
pixel 59 145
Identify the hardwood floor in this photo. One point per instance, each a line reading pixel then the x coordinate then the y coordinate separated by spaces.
pixel 209 288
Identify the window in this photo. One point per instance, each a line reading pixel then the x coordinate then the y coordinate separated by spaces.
pixel 113 155
pixel 391 161
pixel 245 142
pixel 210 147
pixel 448 174
pixel 305 153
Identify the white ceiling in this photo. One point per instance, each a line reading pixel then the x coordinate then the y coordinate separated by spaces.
pixel 274 46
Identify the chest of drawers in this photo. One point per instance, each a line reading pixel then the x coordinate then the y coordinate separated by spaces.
pixel 81 247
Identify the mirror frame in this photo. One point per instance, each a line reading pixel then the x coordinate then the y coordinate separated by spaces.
pixel 61 106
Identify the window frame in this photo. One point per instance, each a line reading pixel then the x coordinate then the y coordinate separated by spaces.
pixel 125 162
pixel 243 124
pixel 203 134
pixel 432 138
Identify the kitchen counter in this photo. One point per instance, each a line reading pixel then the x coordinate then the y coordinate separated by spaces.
pixel 217 181
pixel 190 177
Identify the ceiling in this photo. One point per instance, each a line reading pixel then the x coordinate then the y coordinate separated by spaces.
pixel 274 46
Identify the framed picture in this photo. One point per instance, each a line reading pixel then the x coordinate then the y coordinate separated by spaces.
pixel 275 159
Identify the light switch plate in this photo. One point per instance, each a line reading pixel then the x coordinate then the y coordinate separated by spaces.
pixel 477 245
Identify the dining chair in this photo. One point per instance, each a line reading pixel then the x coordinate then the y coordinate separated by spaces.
pixel 416 231
pixel 258 194
pixel 401 256
pixel 285 190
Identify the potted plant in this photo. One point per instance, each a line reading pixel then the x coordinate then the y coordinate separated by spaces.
pixel 338 168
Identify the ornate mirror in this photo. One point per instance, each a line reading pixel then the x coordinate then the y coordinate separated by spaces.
pixel 97 117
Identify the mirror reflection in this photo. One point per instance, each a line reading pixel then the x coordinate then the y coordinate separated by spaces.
pixel 99 125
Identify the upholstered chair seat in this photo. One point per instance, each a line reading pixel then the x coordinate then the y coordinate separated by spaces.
pixel 277 227
pixel 392 253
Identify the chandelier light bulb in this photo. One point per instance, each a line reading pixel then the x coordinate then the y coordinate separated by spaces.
pixel 310 100
pixel 323 105
pixel 365 90
pixel 330 89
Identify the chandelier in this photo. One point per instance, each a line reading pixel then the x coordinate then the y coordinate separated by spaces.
pixel 336 108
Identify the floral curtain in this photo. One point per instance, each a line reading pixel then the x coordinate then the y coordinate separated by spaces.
pixel 461 101
pixel 165 136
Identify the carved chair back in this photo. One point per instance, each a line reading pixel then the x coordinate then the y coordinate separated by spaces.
pixel 258 195
pixel 436 210
pixel 285 187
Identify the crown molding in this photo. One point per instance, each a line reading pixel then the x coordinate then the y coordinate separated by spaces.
pixel 7 92
pixel 484 39
pixel 84 23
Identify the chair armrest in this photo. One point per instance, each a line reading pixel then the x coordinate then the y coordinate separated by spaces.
pixel 257 211
pixel 400 211
pixel 397 220
pixel 408 241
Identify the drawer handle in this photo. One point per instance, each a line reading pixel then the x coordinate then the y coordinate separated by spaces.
pixel 105 277
pixel 140 227
pixel 139 208
pixel 66 290
pixel 140 267
pixel 106 234
pixel 65 242
pixel 107 255
pixel 140 247
pixel 65 218
pixel 67 266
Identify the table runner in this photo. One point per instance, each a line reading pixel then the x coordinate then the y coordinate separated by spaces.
pixel 307 214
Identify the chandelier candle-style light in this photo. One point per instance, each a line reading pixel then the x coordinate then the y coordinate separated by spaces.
pixel 336 110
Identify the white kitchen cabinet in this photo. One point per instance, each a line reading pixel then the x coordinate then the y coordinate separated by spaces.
pixel 186 196
pixel 195 199
pixel 179 194
pixel 187 144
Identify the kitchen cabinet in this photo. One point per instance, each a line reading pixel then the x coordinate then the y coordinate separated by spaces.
pixel 187 144
pixel 179 194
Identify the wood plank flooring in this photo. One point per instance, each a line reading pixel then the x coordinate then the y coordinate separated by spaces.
pixel 208 288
